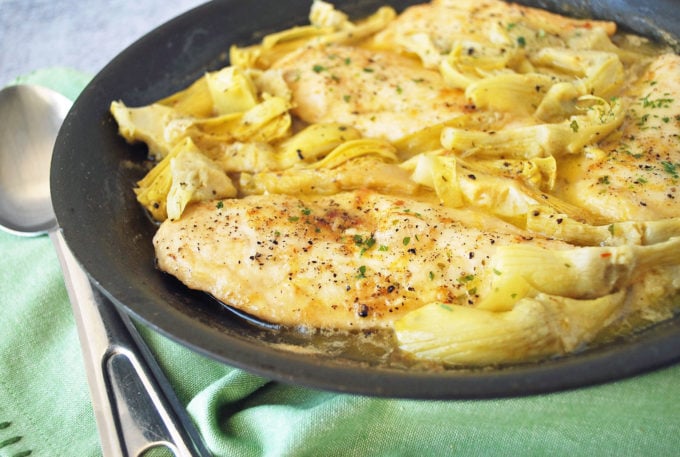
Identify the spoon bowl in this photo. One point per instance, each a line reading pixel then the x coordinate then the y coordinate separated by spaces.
pixel 30 118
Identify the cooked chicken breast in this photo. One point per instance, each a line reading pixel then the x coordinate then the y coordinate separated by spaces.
pixel 445 22
pixel 381 94
pixel 351 261
pixel 634 175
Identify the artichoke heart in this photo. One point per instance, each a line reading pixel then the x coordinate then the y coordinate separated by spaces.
pixel 535 328
pixel 183 176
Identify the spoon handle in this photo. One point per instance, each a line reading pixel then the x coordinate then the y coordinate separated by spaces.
pixel 132 411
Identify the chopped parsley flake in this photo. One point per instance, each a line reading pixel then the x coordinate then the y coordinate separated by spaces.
pixel 670 168
pixel 656 103
pixel 466 278
pixel 603 180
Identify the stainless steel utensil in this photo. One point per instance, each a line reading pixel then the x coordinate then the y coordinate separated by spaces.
pixel 134 405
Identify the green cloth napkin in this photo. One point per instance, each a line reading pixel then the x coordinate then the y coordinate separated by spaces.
pixel 45 408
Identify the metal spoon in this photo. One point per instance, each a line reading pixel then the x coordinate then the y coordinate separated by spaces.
pixel 135 407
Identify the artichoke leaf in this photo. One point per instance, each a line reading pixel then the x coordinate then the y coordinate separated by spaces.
pixel 535 328
pixel 570 136
pixel 194 101
pixel 565 227
pixel 231 90
pixel 195 178
pixel 147 124
pixel 364 172
pixel 353 149
pixel 439 173
pixel 511 92
pixel 579 272
pixel 314 142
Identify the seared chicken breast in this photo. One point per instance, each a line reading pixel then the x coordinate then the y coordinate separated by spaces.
pixel 446 22
pixel 634 175
pixel 351 261
pixel 382 94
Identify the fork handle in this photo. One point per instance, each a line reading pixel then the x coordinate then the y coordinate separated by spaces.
pixel 132 412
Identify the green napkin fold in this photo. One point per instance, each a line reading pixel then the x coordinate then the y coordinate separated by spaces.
pixel 45 408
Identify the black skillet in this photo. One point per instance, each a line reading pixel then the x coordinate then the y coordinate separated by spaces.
pixel 94 170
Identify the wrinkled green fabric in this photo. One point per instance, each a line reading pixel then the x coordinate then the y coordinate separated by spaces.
pixel 45 408
pixel 245 415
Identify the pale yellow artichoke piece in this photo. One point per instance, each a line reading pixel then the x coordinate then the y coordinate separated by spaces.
pixel 356 32
pixel 194 101
pixel 328 25
pixel 480 184
pixel 503 197
pixel 560 101
pixel 512 92
pixel 152 190
pixel 314 142
pixel 184 175
pixel 266 121
pixel 270 83
pixel 231 90
pixel 579 273
pixel 240 157
pixel 469 62
pixel 274 46
pixel 602 72
pixel 147 124
pixel 246 56
pixel 365 172
pixel 539 172
pixel 195 178
pixel 439 173
pixel 598 39
pixel 565 227
pixel 353 149
pixel 539 327
pixel 421 45
pixel 570 136
pixel 428 138
pixel 324 14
